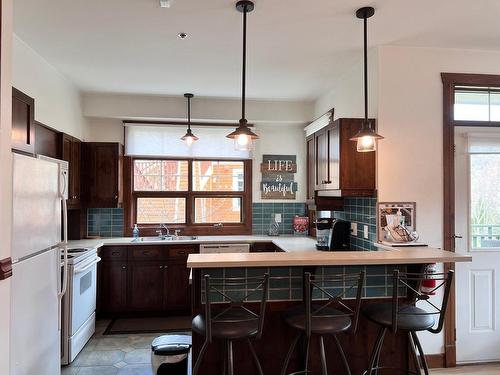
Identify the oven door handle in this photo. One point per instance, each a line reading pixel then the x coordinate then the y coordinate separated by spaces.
pixel 86 266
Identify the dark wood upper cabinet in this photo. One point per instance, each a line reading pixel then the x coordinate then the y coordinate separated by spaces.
pixel 102 174
pixel 311 168
pixel 23 122
pixel 47 141
pixel 333 163
pixel 70 150
pixel 357 169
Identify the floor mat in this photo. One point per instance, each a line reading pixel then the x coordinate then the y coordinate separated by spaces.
pixel 149 325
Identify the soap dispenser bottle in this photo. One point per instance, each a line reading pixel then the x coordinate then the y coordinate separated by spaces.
pixel 135 231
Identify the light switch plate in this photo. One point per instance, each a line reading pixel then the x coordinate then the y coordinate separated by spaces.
pixel 365 231
pixel 354 229
pixel 277 218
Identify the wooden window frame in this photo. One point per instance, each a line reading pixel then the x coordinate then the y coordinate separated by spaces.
pixel 450 80
pixel 188 228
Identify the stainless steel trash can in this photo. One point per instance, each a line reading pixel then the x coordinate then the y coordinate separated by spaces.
pixel 170 354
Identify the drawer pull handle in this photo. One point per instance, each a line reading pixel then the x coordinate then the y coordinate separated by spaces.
pixel 115 253
pixel 145 253
pixel 182 252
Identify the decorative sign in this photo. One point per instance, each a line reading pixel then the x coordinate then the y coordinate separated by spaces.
pixel 278 177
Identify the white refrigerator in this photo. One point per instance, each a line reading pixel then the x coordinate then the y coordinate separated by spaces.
pixel 39 265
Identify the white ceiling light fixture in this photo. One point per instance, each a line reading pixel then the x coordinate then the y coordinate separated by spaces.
pixel 165 3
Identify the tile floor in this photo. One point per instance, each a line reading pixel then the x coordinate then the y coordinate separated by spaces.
pixel 128 354
pixel 131 355
pixel 487 369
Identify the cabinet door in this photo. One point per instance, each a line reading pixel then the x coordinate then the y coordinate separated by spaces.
pixel 74 173
pixel 357 169
pixel 146 282
pixel 311 167
pixel 71 152
pixel 177 288
pixel 332 132
pixel 23 122
pixel 101 167
pixel 321 145
pixel 113 286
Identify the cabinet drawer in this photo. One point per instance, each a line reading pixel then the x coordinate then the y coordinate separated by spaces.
pixel 146 252
pixel 181 251
pixel 114 253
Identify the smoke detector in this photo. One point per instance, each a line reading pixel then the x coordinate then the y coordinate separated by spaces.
pixel 165 3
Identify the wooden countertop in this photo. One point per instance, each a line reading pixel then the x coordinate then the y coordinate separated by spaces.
pixel 413 255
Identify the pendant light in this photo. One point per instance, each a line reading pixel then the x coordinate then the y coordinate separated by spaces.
pixel 243 136
pixel 189 137
pixel 366 138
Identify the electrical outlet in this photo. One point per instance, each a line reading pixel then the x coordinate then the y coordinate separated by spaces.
pixel 365 231
pixel 277 218
pixel 354 229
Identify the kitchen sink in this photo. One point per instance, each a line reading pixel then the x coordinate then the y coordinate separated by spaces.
pixel 165 238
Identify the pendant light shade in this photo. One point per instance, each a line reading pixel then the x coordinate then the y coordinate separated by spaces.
pixel 243 136
pixel 189 137
pixel 367 137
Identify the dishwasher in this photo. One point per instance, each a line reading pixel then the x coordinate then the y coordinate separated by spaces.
pixel 224 248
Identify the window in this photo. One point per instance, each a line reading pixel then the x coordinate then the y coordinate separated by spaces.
pixel 485 201
pixel 191 195
pixel 477 104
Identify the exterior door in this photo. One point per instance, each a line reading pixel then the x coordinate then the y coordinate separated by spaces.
pixel 477 201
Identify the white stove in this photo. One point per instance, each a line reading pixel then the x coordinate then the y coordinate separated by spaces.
pixel 76 256
pixel 79 302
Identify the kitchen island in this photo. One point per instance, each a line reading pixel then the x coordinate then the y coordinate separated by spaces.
pixel 286 270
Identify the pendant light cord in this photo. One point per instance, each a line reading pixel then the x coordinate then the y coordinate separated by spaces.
pixel 189 113
pixel 243 79
pixel 365 21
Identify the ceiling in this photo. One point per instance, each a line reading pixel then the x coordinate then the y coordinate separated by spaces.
pixel 295 48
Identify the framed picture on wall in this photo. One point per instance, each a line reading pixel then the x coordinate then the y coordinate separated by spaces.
pixel 407 209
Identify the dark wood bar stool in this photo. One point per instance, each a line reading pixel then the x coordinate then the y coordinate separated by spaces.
pixel 230 320
pixel 407 317
pixel 325 315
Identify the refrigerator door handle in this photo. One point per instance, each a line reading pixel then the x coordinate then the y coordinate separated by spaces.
pixel 65 249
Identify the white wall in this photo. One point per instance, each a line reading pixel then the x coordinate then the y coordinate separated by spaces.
pixel 347 91
pixel 57 100
pixel 104 130
pixel 5 173
pixel 281 140
pixel 278 123
pixel 410 116
pixel 123 106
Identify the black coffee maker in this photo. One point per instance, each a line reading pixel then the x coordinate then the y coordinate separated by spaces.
pixel 333 235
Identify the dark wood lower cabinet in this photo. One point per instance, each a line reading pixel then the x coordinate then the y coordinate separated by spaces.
pixel 146 292
pixel 144 280
pixel 177 287
pixel 112 292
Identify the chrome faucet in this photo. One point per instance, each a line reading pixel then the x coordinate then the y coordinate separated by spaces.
pixel 163 226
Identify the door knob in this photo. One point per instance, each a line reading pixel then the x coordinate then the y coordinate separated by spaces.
pixel 456 236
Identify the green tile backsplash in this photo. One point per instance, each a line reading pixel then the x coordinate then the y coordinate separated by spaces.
pixel 108 222
pixel 263 213
pixel 285 283
pixel 363 212
pixel 105 222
